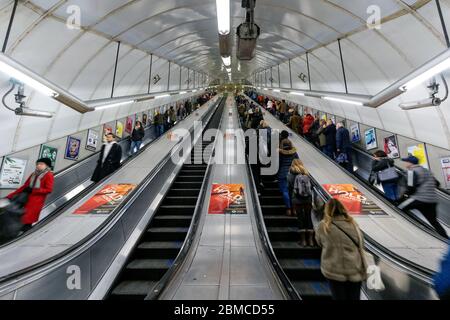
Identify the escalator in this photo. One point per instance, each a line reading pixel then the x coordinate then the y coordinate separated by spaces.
pixel 157 250
pixel 300 264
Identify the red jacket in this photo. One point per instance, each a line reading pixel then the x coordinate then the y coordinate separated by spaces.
pixel 307 123
pixel 36 199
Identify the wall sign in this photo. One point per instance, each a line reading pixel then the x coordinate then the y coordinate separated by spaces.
pixel 50 153
pixel 371 139
pixel 420 153
pixel 12 173
pixel 391 147
pixel 119 129
pixel 227 199
pixel 129 125
pixel 72 148
pixel 355 133
pixel 92 140
pixel 445 164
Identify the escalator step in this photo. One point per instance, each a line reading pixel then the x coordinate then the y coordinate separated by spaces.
pixel 158 249
pixel 312 290
pixel 273 209
pixel 172 221
pixel 177 210
pixel 133 290
pixel 166 234
pixel 271 200
pixel 283 233
pixel 187 185
pixel 180 200
pixel 147 269
pixel 280 221
pixel 300 269
pixel 190 178
pixel 183 192
pixel 193 172
pixel 292 250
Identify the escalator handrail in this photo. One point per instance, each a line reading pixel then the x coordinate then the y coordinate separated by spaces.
pixel 415 269
pixel 288 287
pixel 102 229
pixel 180 258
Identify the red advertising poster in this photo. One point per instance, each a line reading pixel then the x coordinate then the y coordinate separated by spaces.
pixel 353 200
pixel 106 200
pixel 227 199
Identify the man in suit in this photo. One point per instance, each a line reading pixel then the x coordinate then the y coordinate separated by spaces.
pixel 109 160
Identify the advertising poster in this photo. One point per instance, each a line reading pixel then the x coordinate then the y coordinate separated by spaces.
pixel 50 153
pixel 106 200
pixel 445 164
pixel 355 133
pixel 92 140
pixel 119 129
pixel 72 148
pixel 107 128
pixel 12 173
pixel 371 139
pixel 227 199
pixel 129 125
pixel 420 153
pixel 144 120
pixel 391 147
pixel 353 200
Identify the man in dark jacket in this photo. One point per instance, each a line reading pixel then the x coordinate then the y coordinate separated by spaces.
pixel 109 160
pixel 344 146
pixel 330 137
pixel 136 138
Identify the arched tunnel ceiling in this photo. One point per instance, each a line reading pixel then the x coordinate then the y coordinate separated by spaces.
pixel 185 31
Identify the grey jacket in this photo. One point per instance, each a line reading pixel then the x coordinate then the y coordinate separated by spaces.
pixel 423 183
pixel 341 259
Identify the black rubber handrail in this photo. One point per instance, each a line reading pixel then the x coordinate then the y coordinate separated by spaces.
pixel 103 226
pixel 156 291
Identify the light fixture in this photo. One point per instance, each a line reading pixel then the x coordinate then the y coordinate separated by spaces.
pixel 183 92
pixel 22 77
pixel 356 103
pixel 226 61
pixel 113 105
pixel 223 16
pixel 162 96
pixel 297 93
pixel 430 73
pixel 194 90
pixel 276 90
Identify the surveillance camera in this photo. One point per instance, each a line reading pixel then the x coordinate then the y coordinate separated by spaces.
pixel 430 102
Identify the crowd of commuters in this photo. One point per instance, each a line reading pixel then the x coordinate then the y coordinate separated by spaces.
pixel 21 208
pixel 343 260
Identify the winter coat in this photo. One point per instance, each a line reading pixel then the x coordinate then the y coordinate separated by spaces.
pixel 322 137
pixel 343 143
pixel 36 198
pixel 422 185
pixel 111 163
pixel 295 123
pixel 286 158
pixel 137 134
pixel 341 259
pixel 442 278
pixel 307 123
pixel 330 135
pixel 283 107
pixel 159 119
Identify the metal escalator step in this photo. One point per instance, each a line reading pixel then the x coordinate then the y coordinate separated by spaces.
pixel 190 178
pixel 292 250
pixel 302 269
pixel 177 210
pixel 183 192
pixel 150 264
pixel 280 221
pixel 133 289
pixel 311 290
pixel 180 200
pixel 161 245
pixel 273 209
pixel 166 234
pixel 171 221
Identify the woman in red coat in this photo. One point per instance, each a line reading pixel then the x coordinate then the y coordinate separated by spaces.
pixel 38 186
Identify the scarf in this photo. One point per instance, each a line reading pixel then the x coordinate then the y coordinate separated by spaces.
pixel 36 178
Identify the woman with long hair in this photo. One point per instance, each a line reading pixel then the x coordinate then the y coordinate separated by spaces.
pixel 300 190
pixel 343 260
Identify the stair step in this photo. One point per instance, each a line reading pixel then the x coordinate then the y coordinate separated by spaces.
pixel 183 192
pixel 133 290
pixel 292 250
pixel 180 200
pixel 171 221
pixel 312 290
pixel 176 210
pixel 166 234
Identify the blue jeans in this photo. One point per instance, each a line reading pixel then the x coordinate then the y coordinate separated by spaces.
pixel 329 151
pixel 135 146
pixel 283 185
pixel 390 190
pixel 159 130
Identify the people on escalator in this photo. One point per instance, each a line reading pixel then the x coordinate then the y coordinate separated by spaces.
pixel 287 153
pixel 343 260
pixel 384 172
pixel 295 122
pixel 321 138
pixel 159 124
pixel 330 137
pixel 283 109
pixel 300 190
pixel 33 193
pixel 441 279
pixel 265 131
pixel 172 117
pixel 314 128
pixel 308 121
pixel 421 192
pixel 109 160
pixel 256 118
pixel 344 147
pixel 137 135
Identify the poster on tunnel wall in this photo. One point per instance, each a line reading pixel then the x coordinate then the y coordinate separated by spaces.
pixel 12 173
pixel 227 199
pixel 106 200
pixel 419 151
pixel 353 200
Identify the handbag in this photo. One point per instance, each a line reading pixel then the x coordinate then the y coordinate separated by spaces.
pixel 388 174
pixel 374 281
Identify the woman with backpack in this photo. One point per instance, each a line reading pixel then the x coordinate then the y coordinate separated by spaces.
pixel 343 260
pixel 300 189
pixel 382 169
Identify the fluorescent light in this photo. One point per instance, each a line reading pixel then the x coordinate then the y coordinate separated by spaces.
pixel 112 105
pixel 276 90
pixel 223 16
pixel 297 93
pixel 194 90
pixel 259 88
pixel 226 61
pixel 356 103
pixel 439 68
pixel 162 96
pixel 183 92
pixel 22 77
